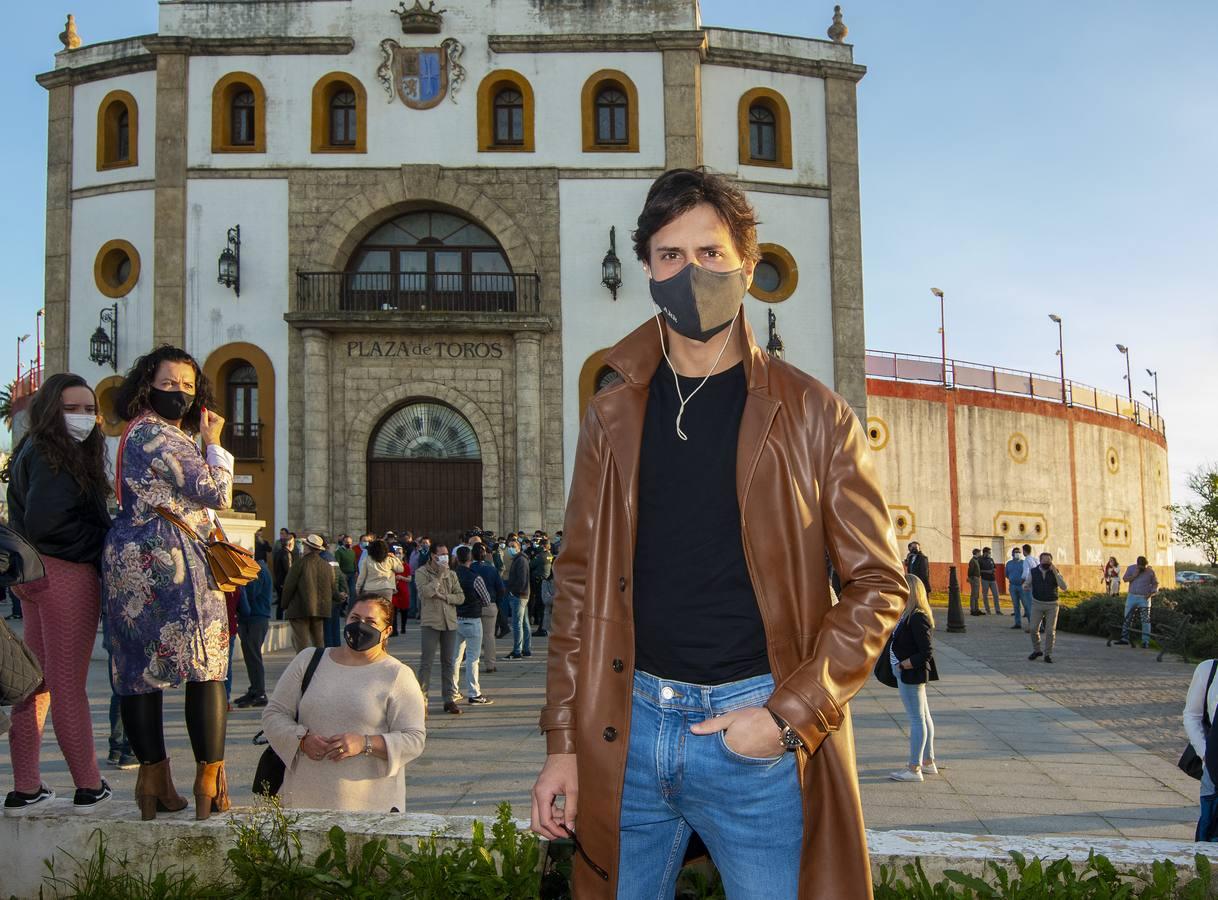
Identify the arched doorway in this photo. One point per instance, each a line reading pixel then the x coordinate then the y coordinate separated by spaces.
pixel 424 472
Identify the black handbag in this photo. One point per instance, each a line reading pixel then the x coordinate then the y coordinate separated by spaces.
pixel 883 665
pixel 268 777
pixel 1190 763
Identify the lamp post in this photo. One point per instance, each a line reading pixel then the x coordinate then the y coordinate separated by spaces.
pixel 21 340
pixel 1155 375
pixel 38 338
pixel 1154 402
pixel 611 266
pixel 1128 373
pixel 1061 353
pixel 103 346
pixel 942 332
pixel 774 346
pixel 230 261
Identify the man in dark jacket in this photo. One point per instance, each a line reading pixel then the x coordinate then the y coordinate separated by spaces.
pixel 917 564
pixel 1046 581
pixel 974 583
pixel 540 567
pixel 482 566
pixel 518 601
pixel 989 584
pixel 253 620
pixel 281 562
pixel 309 594
pixel 469 624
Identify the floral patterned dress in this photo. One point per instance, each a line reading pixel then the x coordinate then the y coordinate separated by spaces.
pixel 167 620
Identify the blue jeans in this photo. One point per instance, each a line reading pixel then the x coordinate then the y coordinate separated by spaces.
pixel 1017 601
pixel 228 681
pixel 332 628
pixel 469 642
pixel 118 737
pixel 1132 602
pixel 921 725
pixel 1207 823
pixel 351 579
pixel 518 615
pixel 747 810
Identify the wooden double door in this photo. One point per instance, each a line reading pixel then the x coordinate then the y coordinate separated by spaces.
pixel 438 497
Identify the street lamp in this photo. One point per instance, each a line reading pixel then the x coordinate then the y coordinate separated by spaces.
pixel 774 346
pixel 1128 373
pixel 230 261
pixel 942 332
pixel 1155 375
pixel 1061 355
pixel 103 346
pixel 1154 402
pixel 611 266
pixel 21 340
pixel 38 338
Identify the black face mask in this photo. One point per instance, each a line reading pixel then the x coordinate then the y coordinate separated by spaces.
pixel 699 303
pixel 1046 566
pixel 361 636
pixel 170 405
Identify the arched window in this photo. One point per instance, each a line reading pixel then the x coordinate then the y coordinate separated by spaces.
pixel 762 137
pixel 117 131
pixel 238 115
pixel 765 129
pixel 610 114
pixel 340 107
pixel 243 122
pixel 430 260
pixel 505 113
pixel 509 117
pixel 244 503
pixel 242 426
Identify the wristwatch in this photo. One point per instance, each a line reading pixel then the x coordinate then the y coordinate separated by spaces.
pixel 788 739
pixel 367 745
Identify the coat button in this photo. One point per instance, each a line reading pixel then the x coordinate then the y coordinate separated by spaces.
pixel 610 734
pixel 617 665
pixel 621 583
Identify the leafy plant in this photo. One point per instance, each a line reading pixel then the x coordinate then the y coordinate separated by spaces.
pixel 105 877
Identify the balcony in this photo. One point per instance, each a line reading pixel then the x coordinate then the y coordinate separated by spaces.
pixel 243 440
pixel 328 293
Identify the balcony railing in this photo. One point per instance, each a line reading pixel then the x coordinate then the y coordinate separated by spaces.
pixel 477 292
pixel 243 439
pixel 27 385
pixel 998 380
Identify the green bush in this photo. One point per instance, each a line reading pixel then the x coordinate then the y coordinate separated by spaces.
pixel 1094 615
pixel 1198 603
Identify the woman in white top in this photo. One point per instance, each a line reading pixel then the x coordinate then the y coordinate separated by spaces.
pixel 378 574
pixel 1201 703
pixel 360 722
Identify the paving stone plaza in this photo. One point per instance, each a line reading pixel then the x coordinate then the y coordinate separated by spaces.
pixel 1084 746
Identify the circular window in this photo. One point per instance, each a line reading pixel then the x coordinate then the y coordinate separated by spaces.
pixel 1017 447
pixel 116 268
pixel 776 275
pixel 1038 529
pixel 1004 527
pixel 877 433
pixel 1114 461
pixel 1022 527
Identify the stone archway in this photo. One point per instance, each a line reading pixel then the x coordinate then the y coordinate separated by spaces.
pixel 360 433
pixel 355 219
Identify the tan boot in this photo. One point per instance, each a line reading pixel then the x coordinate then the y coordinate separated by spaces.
pixel 211 789
pixel 154 790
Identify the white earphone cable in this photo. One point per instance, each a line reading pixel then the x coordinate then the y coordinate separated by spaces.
pixel 677 381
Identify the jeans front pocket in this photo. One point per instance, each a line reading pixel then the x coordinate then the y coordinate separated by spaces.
pixel 748 760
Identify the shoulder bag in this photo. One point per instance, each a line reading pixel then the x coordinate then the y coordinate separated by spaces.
pixel 1190 763
pixel 268 777
pixel 883 665
pixel 231 565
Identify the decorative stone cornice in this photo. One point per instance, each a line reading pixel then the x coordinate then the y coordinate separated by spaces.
pixel 429 323
pixel 792 65
pixel 118 187
pixel 598 43
pixel 250 46
pixel 144 62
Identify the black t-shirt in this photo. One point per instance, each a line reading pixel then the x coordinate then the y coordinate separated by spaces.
pixel 695 611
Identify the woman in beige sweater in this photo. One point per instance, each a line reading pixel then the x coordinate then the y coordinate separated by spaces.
pixel 360 721
pixel 378 572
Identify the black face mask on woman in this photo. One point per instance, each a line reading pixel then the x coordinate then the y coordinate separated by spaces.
pixel 361 636
pixel 170 405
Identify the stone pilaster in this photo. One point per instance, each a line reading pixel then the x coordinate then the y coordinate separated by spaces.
pixel 682 102
pixel 845 243
pixel 529 508
pixel 316 395
pixel 169 218
pixel 57 281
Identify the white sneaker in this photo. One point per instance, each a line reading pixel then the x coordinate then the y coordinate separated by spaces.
pixel 929 768
pixel 906 775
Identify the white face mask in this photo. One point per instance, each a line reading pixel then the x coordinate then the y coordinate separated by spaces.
pixel 79 425
pixel 441 560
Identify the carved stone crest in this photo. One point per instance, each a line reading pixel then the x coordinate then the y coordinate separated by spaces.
pixel 421 76
pixel 418 20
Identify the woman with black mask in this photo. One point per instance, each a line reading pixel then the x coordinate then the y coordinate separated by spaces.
pixel 168 622
pixel 57 490
pixel 346 739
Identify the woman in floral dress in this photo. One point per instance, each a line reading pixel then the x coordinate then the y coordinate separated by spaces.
pixel 167 620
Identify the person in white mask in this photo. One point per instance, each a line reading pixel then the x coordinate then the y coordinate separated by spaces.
pixel 57 491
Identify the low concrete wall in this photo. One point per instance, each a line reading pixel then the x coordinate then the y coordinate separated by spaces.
pixel 178 840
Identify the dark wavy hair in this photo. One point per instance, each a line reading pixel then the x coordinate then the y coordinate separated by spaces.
pixel 379 551
pixel 84 461
pixel 678 191
pixel 131 398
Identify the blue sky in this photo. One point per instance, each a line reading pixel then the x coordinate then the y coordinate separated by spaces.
pixel 1025 157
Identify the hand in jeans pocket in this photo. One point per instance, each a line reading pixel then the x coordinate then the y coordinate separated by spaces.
pixel 746 732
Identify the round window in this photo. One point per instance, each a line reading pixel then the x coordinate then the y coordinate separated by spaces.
pixel 776 274
pixel 767 277
pixel 116 268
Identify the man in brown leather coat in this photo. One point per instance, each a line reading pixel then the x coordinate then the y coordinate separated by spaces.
pixel 689 697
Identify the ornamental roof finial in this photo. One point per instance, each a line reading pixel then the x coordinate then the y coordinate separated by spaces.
pixel 838 30
pixel 69 37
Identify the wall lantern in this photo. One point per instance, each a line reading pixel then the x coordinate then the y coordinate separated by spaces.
pixel 611 266
pixel 230 261
pixel 774 346
pixel 103 346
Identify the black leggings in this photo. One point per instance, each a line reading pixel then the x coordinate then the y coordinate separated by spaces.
pixel 206 718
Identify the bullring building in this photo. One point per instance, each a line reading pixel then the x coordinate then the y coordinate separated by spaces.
pixel 398 240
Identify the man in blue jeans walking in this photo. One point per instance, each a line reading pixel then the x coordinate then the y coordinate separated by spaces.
pixel 1015 575
pixel 1143 584
pixel 517 583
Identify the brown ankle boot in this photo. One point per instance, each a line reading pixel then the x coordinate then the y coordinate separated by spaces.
pixel 154 790
pixel 211 789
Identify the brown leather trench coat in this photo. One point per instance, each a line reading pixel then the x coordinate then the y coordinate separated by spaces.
pixel 806 488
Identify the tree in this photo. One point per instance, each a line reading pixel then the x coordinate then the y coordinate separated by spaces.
pixel 1197 523
pixel 6 404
